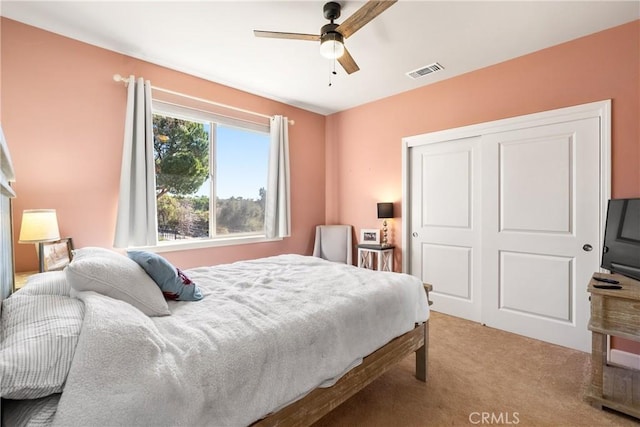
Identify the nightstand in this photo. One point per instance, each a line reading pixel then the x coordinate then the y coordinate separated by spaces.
pixel 376 257
pixel 614 312
pixel 20 279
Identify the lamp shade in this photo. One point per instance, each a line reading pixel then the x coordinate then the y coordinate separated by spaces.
pixel 385 210
pixel 39 225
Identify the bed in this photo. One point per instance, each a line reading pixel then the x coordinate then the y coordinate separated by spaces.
pixel 274 341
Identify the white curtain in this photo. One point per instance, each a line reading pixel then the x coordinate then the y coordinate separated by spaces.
pixel 137 223
pixel 278 211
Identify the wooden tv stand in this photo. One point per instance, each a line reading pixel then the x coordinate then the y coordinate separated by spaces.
pixel 614 312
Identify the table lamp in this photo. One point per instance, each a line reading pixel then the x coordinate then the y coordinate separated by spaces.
pixel 385 211
pixel 39 225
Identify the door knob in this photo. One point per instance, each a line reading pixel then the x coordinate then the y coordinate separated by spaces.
pixel 414 234
pixel 587 248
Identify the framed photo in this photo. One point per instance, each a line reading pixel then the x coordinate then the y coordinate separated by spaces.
pixel 55 255
pixel 370 236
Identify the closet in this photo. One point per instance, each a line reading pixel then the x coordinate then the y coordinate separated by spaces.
pixel 505 219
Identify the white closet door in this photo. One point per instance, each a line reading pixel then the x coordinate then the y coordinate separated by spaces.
pixel 540 208
pixel 445 224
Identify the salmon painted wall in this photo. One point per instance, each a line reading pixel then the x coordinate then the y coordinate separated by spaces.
pixel 364 163
pixel 63 118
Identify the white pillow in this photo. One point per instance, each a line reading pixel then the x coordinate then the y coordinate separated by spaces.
pixel 92 251
pixel 118 277
pixel 49 283
pixel 39 337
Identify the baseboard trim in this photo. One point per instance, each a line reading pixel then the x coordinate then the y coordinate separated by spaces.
pixel 624 358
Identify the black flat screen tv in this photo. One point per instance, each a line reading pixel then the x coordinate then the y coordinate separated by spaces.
pixel 621 250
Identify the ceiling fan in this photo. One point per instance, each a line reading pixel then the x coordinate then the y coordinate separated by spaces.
pixel 332 35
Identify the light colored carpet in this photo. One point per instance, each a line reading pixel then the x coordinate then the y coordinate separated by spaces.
pixel 474 369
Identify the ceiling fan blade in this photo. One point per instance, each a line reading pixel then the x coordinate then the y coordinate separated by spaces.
pixel 347 62
pixel 362 16
pixel 293 36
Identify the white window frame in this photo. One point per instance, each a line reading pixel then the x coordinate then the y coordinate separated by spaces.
pixel 191 114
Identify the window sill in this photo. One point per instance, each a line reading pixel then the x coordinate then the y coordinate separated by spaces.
pixel 184 245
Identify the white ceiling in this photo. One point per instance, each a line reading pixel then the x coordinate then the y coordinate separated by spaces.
pixel 214 40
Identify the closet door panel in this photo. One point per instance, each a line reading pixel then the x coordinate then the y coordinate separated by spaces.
pixel 445 222
pixel 536 185
pixel 541 204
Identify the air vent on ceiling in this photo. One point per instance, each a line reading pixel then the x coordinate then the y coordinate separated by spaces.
pixel 423 71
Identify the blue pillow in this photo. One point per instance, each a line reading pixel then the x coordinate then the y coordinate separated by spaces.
pixel 173 283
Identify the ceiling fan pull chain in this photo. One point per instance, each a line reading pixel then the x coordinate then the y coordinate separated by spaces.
pixel 332 72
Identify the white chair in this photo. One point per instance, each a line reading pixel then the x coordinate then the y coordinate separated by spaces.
pixel 333 243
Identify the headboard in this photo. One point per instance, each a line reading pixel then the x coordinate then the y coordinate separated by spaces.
pixel 6 225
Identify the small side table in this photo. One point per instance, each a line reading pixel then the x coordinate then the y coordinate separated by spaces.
pixel 614 312
pixel 20 278
pixel 376 257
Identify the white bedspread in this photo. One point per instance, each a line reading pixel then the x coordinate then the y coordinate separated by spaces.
pixel 267 332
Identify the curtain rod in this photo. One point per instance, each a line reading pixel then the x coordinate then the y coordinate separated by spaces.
pixel 119 78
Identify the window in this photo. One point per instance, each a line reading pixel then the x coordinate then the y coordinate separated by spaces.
pixel 211 175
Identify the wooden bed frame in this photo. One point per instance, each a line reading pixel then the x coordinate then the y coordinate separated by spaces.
pixel 321 401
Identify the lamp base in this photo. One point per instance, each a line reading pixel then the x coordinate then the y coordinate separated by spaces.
pixel 40 261
pixel 384 242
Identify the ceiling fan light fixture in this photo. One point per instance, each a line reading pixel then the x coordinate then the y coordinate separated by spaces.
pixel 332 35
pixel 332 45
